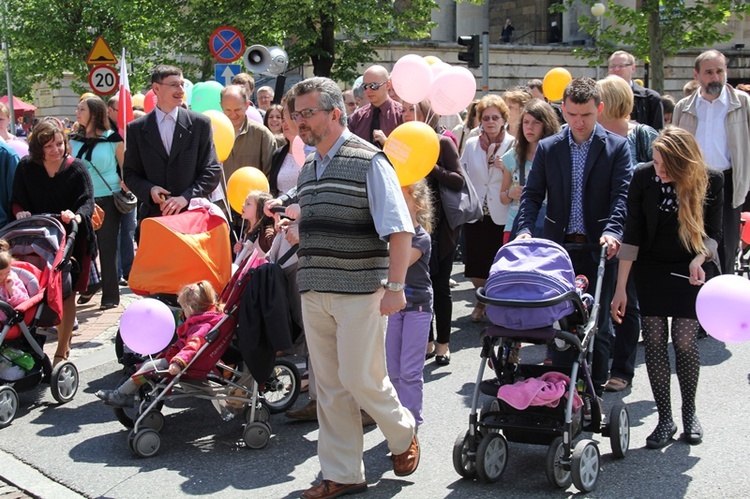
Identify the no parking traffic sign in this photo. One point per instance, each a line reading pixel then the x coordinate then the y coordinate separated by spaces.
pixel 226 44
pixel 103 79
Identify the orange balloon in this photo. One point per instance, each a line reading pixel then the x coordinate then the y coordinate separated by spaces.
pixel 223 133
pixel 555 82
pixel 242 181
pixel 137 100
pixel 413 149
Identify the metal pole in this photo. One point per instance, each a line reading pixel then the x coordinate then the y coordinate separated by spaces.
pixel 8 73
pixel 486 62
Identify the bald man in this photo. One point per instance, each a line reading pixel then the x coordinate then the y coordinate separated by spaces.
pixel 375 121
pixel 254 143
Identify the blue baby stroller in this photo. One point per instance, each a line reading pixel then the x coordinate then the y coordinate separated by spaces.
pixel 531 297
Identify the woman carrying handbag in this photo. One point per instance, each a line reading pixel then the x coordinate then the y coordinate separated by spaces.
pixel 102 151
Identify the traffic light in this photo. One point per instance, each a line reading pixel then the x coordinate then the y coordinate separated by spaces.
pixel 471 55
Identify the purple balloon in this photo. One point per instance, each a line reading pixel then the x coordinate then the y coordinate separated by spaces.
pixel 147 326
pixel 254 114
pixel 723 308
pixel 20 146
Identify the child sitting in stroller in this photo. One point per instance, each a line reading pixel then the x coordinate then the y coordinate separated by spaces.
pixel 12 290
pixel 199 304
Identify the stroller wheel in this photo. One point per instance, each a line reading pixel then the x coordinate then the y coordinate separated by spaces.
pixel 619 430
pixel 463 462
pixel 282 388
pixel 262 414
pixel 557 475
pixel 492 457
pixel 257 435
pixel 153 420
pixel 146 443
pixel 490 405
pixel 585 465
pixel 64 382
pixel 8 405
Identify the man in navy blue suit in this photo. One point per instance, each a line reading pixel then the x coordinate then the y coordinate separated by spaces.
pixel 583 172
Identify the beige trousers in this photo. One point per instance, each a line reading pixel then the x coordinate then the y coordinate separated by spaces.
pixel 346 339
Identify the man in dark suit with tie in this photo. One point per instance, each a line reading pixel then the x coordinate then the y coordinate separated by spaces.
pixel 583 172
pixel 170 156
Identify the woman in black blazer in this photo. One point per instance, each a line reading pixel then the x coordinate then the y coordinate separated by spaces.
pixel 671 234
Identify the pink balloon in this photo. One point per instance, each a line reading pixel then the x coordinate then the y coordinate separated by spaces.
pixel 723 308
pixel 147 326
pixel 411 78
pixel 453 89
pixel 149 101
pixel 298 151
pixel 20 146
pixel 438 68
pixel 253 113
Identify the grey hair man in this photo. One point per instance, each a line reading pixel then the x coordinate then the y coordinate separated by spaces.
pixel 719 118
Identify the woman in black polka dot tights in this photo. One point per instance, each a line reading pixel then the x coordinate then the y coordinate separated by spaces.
pixel 670 241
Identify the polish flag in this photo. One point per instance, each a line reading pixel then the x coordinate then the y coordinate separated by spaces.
pixel 125 110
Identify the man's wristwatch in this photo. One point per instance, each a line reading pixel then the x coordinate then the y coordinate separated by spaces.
pixel 392 286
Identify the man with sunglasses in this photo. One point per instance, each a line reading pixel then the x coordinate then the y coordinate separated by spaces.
pixel 375 121
pixel 170 156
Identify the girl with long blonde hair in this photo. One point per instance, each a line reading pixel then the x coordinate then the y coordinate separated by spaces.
pixel 670 242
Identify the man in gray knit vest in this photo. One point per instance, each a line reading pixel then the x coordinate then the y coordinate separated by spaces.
pixel 355 235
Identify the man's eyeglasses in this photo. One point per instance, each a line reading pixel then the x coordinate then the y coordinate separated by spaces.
pixel 373 86
pixel 493 117
pixel 174 85
pixel 306 113
pixel 617 67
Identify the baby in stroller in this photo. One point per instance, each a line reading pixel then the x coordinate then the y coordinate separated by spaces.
pixel 12 290
pixel 199 305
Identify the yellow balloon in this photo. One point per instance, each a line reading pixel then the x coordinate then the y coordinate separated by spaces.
pixel 555 82
pixel 137 100
pixel 242 181
pixel 413 149
pixel 431 59
pixel 223 133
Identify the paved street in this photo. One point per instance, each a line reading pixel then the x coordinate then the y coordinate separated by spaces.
pixel 79 449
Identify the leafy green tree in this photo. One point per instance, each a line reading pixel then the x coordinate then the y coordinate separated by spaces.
pixel 656 29
pixel 50 37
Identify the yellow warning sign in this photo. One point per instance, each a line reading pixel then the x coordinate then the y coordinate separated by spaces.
pixel 101 53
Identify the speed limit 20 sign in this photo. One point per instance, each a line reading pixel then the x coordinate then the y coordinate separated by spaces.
pixel 103 79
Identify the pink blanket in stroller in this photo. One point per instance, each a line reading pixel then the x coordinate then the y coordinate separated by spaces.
pixel 547 390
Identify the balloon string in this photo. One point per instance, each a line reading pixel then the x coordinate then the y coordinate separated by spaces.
pixel 225 200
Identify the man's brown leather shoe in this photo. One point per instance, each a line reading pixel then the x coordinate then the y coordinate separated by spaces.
pixel 406 463
pixel 327 488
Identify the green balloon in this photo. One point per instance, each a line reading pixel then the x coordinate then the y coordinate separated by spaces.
pixel 206 96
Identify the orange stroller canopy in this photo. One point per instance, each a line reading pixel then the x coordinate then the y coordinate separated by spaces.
pixel 181 249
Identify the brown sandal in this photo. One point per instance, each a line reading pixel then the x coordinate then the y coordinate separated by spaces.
pixel 615 385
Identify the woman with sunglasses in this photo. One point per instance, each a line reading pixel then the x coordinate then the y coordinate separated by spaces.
pixel 481 161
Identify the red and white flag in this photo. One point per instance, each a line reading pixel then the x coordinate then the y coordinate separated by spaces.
pixel 125 109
